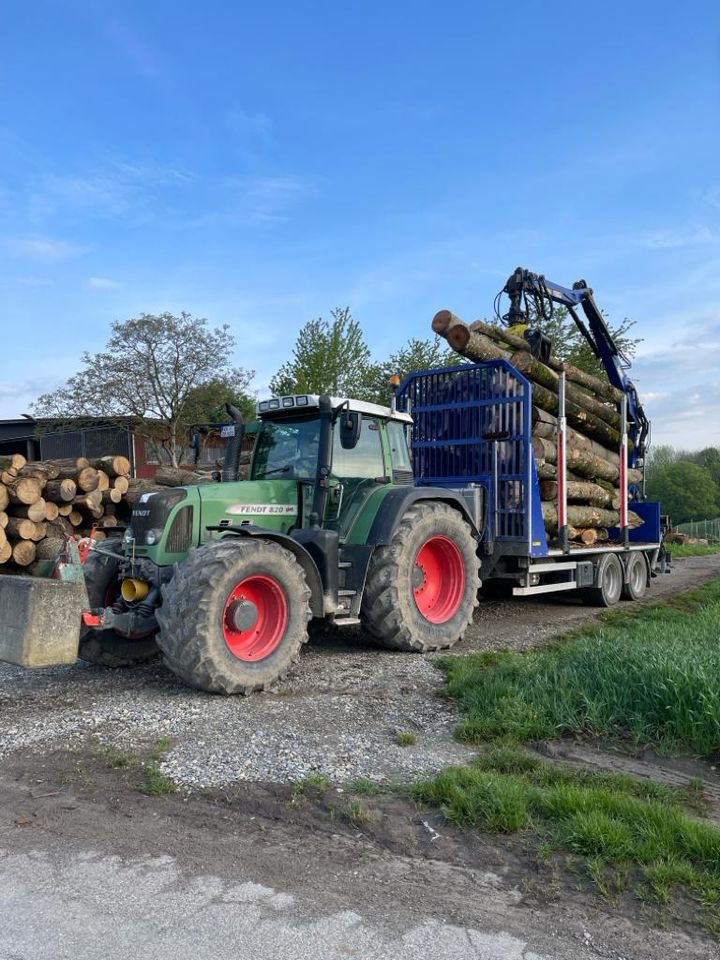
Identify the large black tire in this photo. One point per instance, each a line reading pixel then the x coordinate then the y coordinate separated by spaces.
pixel 610 584
pixel 196 625
pixel 636 577
pixel 396 610
pixel 106 648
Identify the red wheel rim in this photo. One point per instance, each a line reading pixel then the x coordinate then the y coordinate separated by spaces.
pixel 439 579
pixel 255 617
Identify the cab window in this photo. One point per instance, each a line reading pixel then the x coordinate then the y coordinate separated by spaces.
pixel 366 460
pixel 399 446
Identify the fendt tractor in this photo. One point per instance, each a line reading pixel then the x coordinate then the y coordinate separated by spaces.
pixel 353 514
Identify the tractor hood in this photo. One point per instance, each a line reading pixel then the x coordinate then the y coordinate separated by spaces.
pixel 267 503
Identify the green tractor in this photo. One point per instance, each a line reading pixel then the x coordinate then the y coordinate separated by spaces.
pixel 225 578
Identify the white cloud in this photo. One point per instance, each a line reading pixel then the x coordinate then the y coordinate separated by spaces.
pixel 102 284
pixel 36 247
pixel 268 199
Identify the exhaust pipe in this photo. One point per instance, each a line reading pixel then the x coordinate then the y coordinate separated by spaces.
pixel 231 466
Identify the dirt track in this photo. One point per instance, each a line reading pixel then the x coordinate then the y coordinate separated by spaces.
pixel 63 806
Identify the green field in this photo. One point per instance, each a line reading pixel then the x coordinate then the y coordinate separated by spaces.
pixel 681 550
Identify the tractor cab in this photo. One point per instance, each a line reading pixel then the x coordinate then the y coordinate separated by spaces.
pixel 339 450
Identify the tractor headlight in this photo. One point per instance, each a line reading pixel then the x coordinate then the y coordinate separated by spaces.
pixel 128 536
pixel 152 537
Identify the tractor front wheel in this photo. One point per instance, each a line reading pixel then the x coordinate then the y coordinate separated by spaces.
pixel 108 648
pixel 422 587
pixel 234 616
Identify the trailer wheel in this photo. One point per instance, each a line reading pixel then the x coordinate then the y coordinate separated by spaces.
pixel 422 587
pixel 610 583
pixel 636 577
pixel 107 648
pixel 234 616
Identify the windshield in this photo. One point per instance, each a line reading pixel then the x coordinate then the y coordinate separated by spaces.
pixel 287 448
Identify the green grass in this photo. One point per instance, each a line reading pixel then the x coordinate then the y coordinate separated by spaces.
pixel 616 824
pixel 155 783
pixel 693 549
pixel 404 738
pixel 650 674
pixel 366 787
pixel 359 815
pixel 312 785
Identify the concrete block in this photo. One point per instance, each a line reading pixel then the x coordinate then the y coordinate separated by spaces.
pixel 40 620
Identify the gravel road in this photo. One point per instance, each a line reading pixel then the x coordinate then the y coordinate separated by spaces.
pixel 338 713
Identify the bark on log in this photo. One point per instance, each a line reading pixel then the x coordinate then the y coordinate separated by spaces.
pixel 474 346
pixel 69 467
pixel 175 477
pixel 583 492
pixel 540 373
pixel 23 553
pixel 112 495
pixel 24 490
pixel 60 490
pixel 36 512
pixel 40 468
pixel 584 517
pixel 581 420
pixel 113 466
pixel 601 388
pixel 89 501
pixel 545 425
pixel 20 528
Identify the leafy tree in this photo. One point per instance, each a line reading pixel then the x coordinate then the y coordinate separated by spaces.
pixel 162 370
pixel 571 346
pixel 329 356
pixel 686 490
pixel 206 403
pixel 415 355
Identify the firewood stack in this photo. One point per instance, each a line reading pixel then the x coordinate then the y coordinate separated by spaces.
pixel 593 435
pixel 43 503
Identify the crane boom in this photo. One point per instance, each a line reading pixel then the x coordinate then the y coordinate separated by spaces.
pixel 523 285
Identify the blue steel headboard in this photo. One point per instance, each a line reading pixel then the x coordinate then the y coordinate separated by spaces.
pixel 473 424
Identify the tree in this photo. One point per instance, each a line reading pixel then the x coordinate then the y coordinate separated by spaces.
pixel 151 369
pixel 685 490
pixel 569 345
pixel 329 356
pixel 415 355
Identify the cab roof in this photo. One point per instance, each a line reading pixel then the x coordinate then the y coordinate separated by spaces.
pixel 300 402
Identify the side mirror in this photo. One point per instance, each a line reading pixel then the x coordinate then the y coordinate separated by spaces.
pixel 349 425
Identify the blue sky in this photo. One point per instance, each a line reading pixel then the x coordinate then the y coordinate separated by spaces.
pixel 260 165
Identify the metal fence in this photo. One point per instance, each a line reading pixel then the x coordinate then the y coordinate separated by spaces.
pixel 701 529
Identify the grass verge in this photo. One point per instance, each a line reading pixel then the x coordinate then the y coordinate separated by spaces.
pixel 618 825
pixel 650 674
pixel 693 549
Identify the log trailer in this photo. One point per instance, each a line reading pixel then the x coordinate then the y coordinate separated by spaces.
pixel 354 514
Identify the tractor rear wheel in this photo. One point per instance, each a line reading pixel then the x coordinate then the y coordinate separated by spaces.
pixel 422 587
pixel 234 616
pixel 107 648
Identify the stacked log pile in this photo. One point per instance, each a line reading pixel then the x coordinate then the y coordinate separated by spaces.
pixel 593 435
pixel 44 503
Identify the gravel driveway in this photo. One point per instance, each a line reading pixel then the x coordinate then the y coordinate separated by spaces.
pixel 338 713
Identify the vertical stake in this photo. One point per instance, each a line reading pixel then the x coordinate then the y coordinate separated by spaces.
pixel 624 530
pixel 562 466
